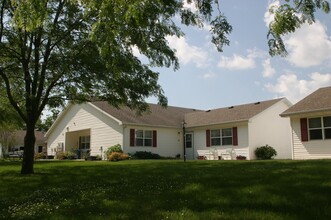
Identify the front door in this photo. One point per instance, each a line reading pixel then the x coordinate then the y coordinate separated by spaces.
pixel 189 146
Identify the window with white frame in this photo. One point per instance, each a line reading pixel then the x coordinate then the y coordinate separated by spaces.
pixel 220 137
pixel 319 128
pixel 84 142
pixel 144 138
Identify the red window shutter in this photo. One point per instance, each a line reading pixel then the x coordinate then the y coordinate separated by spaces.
pixel 208 138
pixel 154 138
pixel 235 136
pixel 132 137
pixel 304 129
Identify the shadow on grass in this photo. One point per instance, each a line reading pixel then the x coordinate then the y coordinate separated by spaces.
pixel 169 189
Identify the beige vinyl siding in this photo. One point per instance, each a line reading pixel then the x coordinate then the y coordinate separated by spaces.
pixel 200 140
pixel 78 119
pixel 315 149
pixel 169 141
pixel 269 128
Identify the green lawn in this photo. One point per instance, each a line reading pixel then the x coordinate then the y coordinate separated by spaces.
pixel 167 189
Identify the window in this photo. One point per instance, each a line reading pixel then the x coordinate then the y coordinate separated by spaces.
pixel 40 149
pixel 84 142
pixel 221 137
pixel 144 138
pixel 319 128
pixel 189 140
pixel 215 137
pixel 327 127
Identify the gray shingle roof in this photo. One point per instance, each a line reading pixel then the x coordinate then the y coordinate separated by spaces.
pixel 229 114
pixel 20 134
pixel 157 116
pixel 320 100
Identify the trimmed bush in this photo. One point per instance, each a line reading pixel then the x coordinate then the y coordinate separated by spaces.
pixel 117 156
pixel 145 155
pixel 240 157
pixel 114 148
pixel 265 152
pixel 41 155
pixel 66 155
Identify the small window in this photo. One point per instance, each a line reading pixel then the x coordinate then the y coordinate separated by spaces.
pixel 319 128
pixel 139 138
pixel 227 136
pixel 144 138
pixel 188 140
pixel 215 138
pixel 221 137
pixel 315 128
pixel 40 149
pixel 84 142
pixel 327 127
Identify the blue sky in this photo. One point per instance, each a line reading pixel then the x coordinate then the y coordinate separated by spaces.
pixel 245 72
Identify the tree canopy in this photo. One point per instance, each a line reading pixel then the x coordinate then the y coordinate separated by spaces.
pixel 82 50
pixel 288 17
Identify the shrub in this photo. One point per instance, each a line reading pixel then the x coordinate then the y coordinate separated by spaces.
pixel 41 155
pixel 61 155
pixel 240 157
pixel 265 152
pixel 117 156
pixel 115 148
pixel 145 155
pixel 66 155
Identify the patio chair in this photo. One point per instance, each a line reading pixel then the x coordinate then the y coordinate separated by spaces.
pixel 227 154
pixel 201 155
pixel 211 154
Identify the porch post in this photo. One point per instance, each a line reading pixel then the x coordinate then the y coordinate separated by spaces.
pixel 183 126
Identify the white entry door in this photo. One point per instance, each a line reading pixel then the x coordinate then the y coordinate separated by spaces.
pixel 189 146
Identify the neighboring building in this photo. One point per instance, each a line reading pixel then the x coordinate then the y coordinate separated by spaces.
pixel 311 125
pixel 14 143
pixel 95 126
pixel 241 129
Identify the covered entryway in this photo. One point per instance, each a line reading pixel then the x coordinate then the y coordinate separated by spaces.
pixel 79 142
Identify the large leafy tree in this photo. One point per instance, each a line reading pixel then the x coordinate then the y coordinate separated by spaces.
pixel 80 50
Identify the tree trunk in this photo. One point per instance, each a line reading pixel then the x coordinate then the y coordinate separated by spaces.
pixel 28 155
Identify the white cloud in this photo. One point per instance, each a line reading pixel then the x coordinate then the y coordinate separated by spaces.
pixel 188 54
pixel 309 46
pixel 268 70
pixel 295 89
pixel 269 16
pixel 238 62
pixel 209 75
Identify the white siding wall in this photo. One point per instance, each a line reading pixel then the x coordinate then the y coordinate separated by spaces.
pixel 241 149
pixel 269 128
pixel 169 141
pixel 315 149
pixel 104 131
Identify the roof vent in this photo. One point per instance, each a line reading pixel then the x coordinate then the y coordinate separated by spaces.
pixel 230 107
pixel 208 110
pixel 256 103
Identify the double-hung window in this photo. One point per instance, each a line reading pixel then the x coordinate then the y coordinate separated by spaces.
pixel 144 138
pixel 220 137
pixel 84 142
pixel 319 128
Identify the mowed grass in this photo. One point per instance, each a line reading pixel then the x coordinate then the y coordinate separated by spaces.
pixel 167 189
